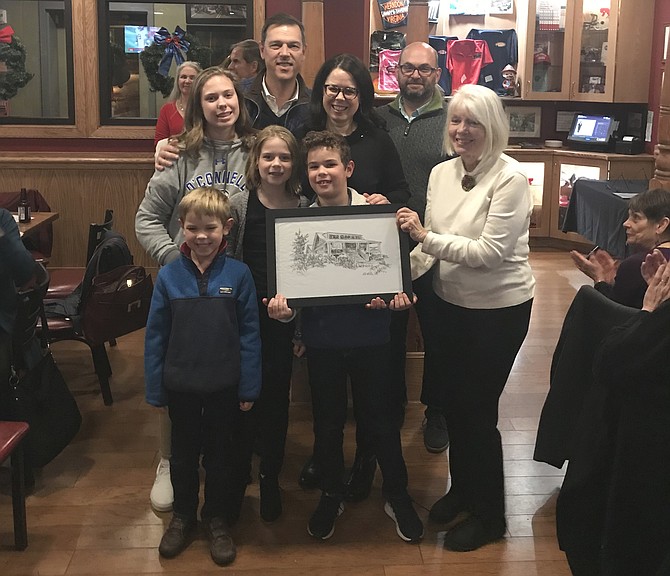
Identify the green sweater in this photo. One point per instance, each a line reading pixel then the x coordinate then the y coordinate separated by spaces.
pixel 419 144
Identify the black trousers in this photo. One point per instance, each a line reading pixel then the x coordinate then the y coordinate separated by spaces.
pixel 367 369
pixel 269 416
pixel 476 353
pixel 215 423
pixel 427 301
pixel 396 387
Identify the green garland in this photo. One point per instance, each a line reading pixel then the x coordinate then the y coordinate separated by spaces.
pixel 152 56
pixel 14 57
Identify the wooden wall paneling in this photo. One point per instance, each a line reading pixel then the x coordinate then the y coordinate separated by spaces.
pixel 661 177
pixel 80 191
pixel 312 18
pixel 259 18
pixel 417 21
pixel 633 49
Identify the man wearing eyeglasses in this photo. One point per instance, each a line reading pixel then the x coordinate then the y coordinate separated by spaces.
pixel 280 96
pixel 415 120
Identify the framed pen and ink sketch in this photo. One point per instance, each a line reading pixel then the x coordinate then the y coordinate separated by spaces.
pixel 336 255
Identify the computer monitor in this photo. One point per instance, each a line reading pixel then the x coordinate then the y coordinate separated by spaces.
pixel 591 131
pixel 137 38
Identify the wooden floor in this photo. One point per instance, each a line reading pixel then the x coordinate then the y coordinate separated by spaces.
pixel 90 511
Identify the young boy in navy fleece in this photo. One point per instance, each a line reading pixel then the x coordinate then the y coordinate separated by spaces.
pixel 203 361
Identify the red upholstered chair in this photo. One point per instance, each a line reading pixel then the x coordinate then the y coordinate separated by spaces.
pixel 11 445
pixel 41 243
pixel 65 280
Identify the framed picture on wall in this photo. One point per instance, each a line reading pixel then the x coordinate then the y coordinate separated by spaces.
pixel 524 121
pixel 336 255
pixel 215 13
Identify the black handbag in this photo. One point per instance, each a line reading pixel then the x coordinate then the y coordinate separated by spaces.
pixel 41 397
pixel 118 303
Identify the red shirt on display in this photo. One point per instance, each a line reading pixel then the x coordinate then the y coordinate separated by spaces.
pixel 465 59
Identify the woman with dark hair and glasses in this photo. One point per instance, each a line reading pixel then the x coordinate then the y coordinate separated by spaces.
pixel 342 102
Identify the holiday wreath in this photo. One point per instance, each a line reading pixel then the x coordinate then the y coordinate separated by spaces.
pixel 13 54
pixel 157 58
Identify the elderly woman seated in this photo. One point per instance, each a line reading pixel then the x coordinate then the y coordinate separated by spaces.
pixel 647 228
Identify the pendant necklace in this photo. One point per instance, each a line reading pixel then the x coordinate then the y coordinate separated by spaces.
pixel 468 182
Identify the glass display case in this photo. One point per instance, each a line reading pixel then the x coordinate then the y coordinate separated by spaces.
pixel 537 167
pixel 571 46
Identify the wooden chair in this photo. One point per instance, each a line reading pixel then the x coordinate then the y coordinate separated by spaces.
pixel 64 281
pixel 11 446
pixel 65 316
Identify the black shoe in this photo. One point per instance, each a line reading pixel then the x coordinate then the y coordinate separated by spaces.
pixel 177 537
pixel 473 533
pixel 322 523
pixel 408 525
pixel 435 433
pixel 362 475
pixel 221 545
pixel 310 477
pixel 271 507
pixel 447 508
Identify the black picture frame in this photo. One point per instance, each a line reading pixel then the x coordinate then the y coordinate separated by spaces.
pixel 336 255
pixel 217 13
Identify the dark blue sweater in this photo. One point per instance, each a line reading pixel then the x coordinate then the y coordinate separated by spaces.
pixel 202 333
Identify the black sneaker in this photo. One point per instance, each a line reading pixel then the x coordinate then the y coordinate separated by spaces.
pixel 177 537
pixel 271 507
pixel 474 533
pixel 221 545
pixel 322 523
pixel 359 484
pixel 310 477
pixel 408 525
pixel 435 433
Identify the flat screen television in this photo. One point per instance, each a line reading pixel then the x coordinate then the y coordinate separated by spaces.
pixel 591 131
pixel 137 38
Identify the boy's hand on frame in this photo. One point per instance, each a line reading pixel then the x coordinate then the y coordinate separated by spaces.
pixel 246 406
pixel 399 302
pixel 376 199
pixel 278 308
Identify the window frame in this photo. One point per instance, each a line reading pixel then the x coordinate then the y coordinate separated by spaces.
pixel 69 120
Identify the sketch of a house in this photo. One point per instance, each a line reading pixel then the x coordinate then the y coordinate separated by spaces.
pixel 346 249
pixel 353 246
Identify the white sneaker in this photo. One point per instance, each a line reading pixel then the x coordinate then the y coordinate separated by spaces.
pixel 162 494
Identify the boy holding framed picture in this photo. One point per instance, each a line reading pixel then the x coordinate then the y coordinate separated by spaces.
pixel 349 340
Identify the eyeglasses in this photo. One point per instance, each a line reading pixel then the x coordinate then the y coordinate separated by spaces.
pixel 333 91
pixel 424 70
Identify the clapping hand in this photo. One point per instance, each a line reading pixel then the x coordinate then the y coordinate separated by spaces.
pixel 651 263
pixel 658 290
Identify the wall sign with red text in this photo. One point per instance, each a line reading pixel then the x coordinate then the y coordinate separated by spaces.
pixel 393 12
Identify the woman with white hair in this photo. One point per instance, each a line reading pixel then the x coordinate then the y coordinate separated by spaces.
pixel 476 234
